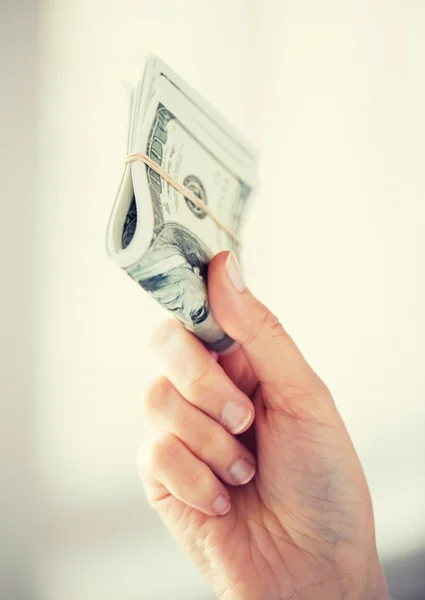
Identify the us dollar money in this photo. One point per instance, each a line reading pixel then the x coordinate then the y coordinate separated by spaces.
pixel 157 235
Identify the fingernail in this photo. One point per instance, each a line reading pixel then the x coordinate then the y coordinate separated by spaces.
pixel 235 417
pixel 242 471
pixel 221 505
pixel 234 273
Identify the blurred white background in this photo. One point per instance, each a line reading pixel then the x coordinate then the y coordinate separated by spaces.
pixel 332 93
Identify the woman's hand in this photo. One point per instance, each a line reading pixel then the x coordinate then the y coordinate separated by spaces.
pixel 275 508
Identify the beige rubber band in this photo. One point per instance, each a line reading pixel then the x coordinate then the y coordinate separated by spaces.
pixel 183 190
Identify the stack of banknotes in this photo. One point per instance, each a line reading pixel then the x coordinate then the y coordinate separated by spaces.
pixel 156 234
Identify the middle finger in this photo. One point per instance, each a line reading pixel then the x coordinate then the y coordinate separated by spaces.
pixel 197 376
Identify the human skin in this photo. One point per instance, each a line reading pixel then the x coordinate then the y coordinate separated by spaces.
pixel 252 469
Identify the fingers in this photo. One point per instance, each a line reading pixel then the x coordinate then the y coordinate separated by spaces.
pixel 172 466
pixel 204 437
pixel 238 369
pixel 272 354
pixel 198 377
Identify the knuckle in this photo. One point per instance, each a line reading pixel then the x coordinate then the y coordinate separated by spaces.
pixel 213 443
pixel 160 334
pixel 161 451
pixel 199 482
pixel 270 323
pixel 157 396
pixel 321 389
pixel 198 376
pixel 266 323
pixel 314 389
pixel 325 399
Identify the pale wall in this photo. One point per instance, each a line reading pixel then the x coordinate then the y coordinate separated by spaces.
pixel 332 93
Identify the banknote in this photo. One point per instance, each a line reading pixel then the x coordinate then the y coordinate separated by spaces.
pixel 162 239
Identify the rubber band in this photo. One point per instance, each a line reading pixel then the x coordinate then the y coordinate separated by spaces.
pixel 183 190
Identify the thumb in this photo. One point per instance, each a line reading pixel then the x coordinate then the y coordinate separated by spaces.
pixel 272 354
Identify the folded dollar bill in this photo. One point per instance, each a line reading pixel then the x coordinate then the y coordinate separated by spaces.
pixel 160 237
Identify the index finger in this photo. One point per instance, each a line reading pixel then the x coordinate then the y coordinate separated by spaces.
pixel 271 352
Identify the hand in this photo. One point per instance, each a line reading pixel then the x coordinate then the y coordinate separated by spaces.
pixel 282 511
